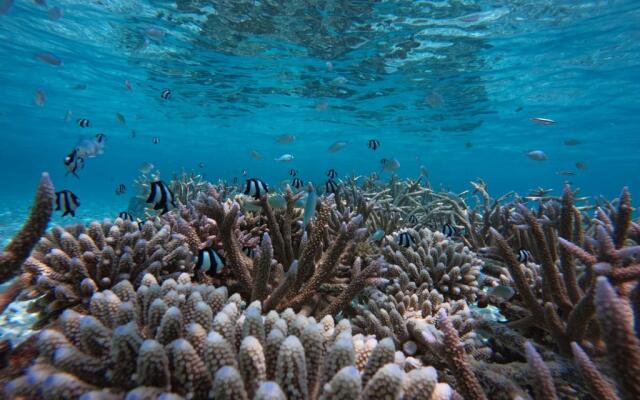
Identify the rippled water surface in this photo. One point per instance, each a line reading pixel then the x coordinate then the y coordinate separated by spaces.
pixel 451 85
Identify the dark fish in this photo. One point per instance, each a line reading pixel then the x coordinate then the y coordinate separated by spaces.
pixel 133 133
pixel 581 166
pixel 165 94
pixel 519 109
pixel 330 186
pixel 209 261
pixel 156 140
pixel 249 251
pixel 572 142
pixel 161 196
pixel 405 239
pixel 67 202
pixel 297 183
pixel 100 137
pixel 121 189
pixel 293 172
pixel 256 188
pixel 524 256
pixel 373 144
pixel 49 58
pixel 73 163
pixel 468 145
pixel 140 223
pixel 83 123
pixel 125 216
pixel 332 174
pixel 201 165
pixel 448 230
pixel 413 220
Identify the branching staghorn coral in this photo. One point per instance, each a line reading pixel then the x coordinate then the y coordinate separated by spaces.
pixel 69 265
pixel 193 341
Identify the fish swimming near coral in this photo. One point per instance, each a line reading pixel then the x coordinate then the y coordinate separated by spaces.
pixel 297 183
pixel 67 202
pixel 373 144
pixel 285 158
pixel 377 235
pixel 121 189
pixel 337 146
pixel 390 165
pixel 448 230
pixel 405 239
pixel 90 147
pixel 165 94
pixel 83 123
pixel 524 256
pixel 330 186
pixel 73 163
pixel 209 261
pixel 293 172
pixel 332 174
pixel 125 216
pixel 285 139
pixel 502 291
pixel 145 168
pixel 101 137
pixel 256 188
pixel 310 206
pixel 537 155
pixel 161 197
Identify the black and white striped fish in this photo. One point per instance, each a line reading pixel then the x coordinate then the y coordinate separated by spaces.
pixel 293 172
pixel 67 202
pixel 448 230
pixel 121 189
pixel 209 261
pixel 297 183
pixel 405 239
pixel 524 256
pixel 332 174
pixel 140 223
pixel 83 123
pixel 161 197
pixel 156 140
pixel 165 94
pixel 249 251
pixel 100 137
pixel 125 216
pixel 373 144
pixel 73 163
pixel 330 186
pixel 413 220
pixel 256 188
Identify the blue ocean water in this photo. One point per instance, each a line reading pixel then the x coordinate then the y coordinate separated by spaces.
pixel 450 85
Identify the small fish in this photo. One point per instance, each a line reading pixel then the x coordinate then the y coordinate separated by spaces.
pixel 101 137
pixel 49 58
pixel 537 155
pixel 121 189
pixel 413 220
pixel 133 133
pixel 5 6
pixel 581 166
pixel 91 147
pixel 337 146
pixel 572 142
pixel 165 94
pixel 329 66
pixel 543 121
pixel 209 261
pixel 83 123
pixel 39 97
pixel 330 186
pixel 249 251
pixel 297 183
pixel 293 172
pixel 161 196
pixel 67 202
pixel 244 172
pixel 566 173
pixel 201 165
pixel 391 165
pixel 73 163
pixel 255 155
pixel 373 144
pixel 377 235
pixel 339 81
pixel 285 139
pixel 120 118
pixel 310 206
pixel 55 13
pixel 285 158
pixel 80 86
pixel 125 216
pixel 145 168
pixel 155 33
pixel 502 291
pixel 155 140
pixel 332 174
pixel 524 256
pixel 468 145
pixel 68 116
pixel 405 239
pixel 256 188
pixel 140 223
pixel 322 105
pixel 519 109
pixel 448 230
pixel 434 100
pixel 128 85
